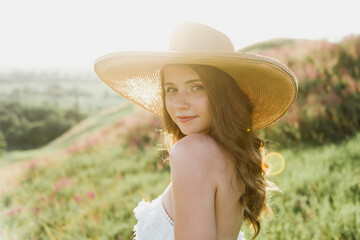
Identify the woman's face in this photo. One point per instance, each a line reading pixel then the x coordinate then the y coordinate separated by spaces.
pixel 185 96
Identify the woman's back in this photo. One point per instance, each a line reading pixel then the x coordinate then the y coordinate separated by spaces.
pixel 228 212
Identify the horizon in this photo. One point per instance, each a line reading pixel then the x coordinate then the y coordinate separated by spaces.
pixel 88 71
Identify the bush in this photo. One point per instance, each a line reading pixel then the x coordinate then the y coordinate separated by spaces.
pixel 25 126
pixel 2 143
pixel 327 108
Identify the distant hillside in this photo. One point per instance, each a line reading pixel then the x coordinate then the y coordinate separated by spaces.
pixel 285 49
pixel 58 89
pixel 106 127
pixel 265 45
pixel 328 77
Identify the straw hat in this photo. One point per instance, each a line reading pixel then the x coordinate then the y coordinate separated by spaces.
pixel 270 85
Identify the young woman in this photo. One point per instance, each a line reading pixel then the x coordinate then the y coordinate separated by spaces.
pixel 212 99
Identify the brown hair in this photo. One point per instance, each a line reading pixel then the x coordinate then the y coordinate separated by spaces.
pixel 231 112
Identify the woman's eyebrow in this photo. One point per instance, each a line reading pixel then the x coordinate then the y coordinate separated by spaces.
pixel 187 82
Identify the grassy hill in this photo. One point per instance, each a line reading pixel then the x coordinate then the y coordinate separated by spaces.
pixel 90 192
pixel 327 106
pixel 80 132
pixel 86 183
pixel 284 49
pixel 269 44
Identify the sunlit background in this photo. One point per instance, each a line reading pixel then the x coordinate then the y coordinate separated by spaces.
pixel 68 34
pixel 76 158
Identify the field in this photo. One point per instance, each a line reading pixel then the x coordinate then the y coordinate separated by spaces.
pixel 86 183
pixel 88 187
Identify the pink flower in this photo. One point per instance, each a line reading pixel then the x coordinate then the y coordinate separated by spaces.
pixel 327 100
pixel 32 164
pixel 11 212
pixel 77 198
pixel 53 200
pixel 71 149
pixel 90 194
pixel 35 210
pixel 310 71
pixel 19 209
pixel 120 122
pixel 62 182
pixel 98 218
pixel 335 97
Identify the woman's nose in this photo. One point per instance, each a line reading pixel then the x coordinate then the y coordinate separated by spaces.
pixel 181 101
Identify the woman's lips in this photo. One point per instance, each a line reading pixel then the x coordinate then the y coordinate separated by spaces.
pixel 187 119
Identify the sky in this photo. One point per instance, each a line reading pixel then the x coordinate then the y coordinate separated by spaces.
pixel 69 35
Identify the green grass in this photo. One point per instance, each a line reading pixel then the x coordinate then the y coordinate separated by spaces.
pixel 91 194
pixel 78 132
pixel 85 196
pixel 321 194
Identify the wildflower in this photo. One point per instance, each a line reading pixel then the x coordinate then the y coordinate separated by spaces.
pixel 35 210
pixel 62 182
pixel 90 194
pixel 32 164
pixel 77 198
pixel 11 212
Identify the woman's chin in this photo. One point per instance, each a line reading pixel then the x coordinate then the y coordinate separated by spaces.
pixel 188 132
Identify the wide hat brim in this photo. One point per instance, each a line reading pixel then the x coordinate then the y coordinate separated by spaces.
pixel 270 85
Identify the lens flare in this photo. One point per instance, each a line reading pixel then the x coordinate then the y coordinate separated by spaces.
pixel 274 163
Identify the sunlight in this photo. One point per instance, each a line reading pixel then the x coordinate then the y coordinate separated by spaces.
pixel 276 162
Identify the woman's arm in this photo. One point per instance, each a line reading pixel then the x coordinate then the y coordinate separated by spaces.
pixel 194 188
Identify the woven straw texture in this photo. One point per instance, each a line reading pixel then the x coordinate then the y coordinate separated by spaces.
pixel 269 84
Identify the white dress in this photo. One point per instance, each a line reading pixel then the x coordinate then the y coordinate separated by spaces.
pixel 154 223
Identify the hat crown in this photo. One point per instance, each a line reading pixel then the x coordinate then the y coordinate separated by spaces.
pixel 192 36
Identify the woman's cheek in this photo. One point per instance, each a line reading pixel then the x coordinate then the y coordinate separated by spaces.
pixel 168 105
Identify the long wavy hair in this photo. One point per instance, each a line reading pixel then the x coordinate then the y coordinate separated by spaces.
pixel 231 128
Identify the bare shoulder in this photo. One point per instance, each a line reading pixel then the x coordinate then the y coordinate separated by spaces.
pixel 200 148
pixel 194 187
pixel 195 144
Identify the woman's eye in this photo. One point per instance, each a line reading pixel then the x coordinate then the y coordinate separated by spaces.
pixel 199 87
pixel 169 90
pixel 196 88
